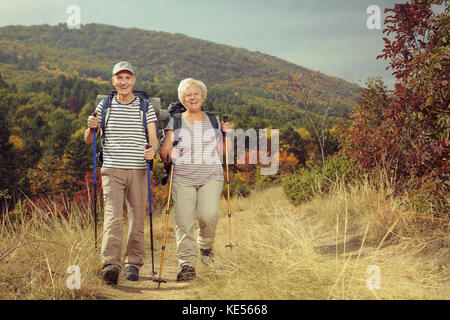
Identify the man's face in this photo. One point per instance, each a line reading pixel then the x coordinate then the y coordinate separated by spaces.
pixel 123 82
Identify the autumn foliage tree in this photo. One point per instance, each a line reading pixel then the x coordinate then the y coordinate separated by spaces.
pixel 307 92
pixel 420 58
pixel 367 138
pixel 407 131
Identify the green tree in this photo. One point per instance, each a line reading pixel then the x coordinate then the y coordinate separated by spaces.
pixel 3 84
pixel 292 142
pixel 79 155
pixel 60 125
pixel 7 178
pixel 31 120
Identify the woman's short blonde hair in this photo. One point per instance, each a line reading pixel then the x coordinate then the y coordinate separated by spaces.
pixel 186 83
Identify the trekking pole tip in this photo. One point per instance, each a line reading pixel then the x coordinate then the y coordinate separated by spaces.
pixel 159 280
pixel 230 245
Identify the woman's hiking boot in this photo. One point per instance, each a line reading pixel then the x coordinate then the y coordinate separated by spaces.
pixel 187 273
pixel 207 256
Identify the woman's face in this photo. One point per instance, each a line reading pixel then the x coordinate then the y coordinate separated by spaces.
pixel 193 98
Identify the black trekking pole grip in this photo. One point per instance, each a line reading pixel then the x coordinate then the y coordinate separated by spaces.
pixel 149 161
pixel 225 119
pixel 94 114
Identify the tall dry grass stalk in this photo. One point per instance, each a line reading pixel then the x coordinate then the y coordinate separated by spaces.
pixel 37 250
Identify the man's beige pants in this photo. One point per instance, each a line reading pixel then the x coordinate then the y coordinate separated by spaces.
pixel 186 199
pixel 117 184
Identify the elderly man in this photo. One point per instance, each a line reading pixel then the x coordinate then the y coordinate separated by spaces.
pixel 124 173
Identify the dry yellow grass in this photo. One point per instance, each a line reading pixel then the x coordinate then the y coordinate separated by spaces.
pixel 36 253
pixel 333 247
pixel 329 248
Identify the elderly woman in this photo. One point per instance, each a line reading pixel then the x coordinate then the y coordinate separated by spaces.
pixel 197 176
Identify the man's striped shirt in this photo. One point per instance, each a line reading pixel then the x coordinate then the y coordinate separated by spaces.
pixel 124 140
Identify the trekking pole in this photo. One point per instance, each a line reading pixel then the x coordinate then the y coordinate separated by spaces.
pixel 163 248
pixel 230 245
pixel 94 132
pixel 150 211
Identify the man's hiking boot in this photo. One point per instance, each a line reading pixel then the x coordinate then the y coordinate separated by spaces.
pixel 111 274
pixel 131 273
pixel 207 256
pixel 187 273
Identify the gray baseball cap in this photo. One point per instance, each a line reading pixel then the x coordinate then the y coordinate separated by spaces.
pixel 123 65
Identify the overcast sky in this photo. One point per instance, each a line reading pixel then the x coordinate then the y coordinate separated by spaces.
pixel 330 36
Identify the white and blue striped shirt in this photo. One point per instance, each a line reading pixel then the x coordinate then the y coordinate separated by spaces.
pixel 124 141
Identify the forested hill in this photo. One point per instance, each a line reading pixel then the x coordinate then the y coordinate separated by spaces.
pixel 42 52
pixel 50 77
pixel 155 53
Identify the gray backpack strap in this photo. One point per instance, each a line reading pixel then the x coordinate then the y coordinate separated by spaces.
pixel 177 120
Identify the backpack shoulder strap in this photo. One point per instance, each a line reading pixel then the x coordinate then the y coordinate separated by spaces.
pixel 212 119
pixel 214 123
pixel 177 121
pixel 105 113
pixel 144 102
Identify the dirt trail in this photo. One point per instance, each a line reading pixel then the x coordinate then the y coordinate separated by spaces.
pixel 146 288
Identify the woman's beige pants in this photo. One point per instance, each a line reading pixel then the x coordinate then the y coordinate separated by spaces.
pixel 187 199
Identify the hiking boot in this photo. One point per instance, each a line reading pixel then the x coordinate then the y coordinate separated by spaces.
pixel 207 256
pixel 187 273
pixel 131 273
pixel 111 274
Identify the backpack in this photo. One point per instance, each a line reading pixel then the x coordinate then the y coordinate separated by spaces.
pixel 144 99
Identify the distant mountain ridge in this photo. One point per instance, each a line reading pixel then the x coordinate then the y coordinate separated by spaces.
pixel 41 52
